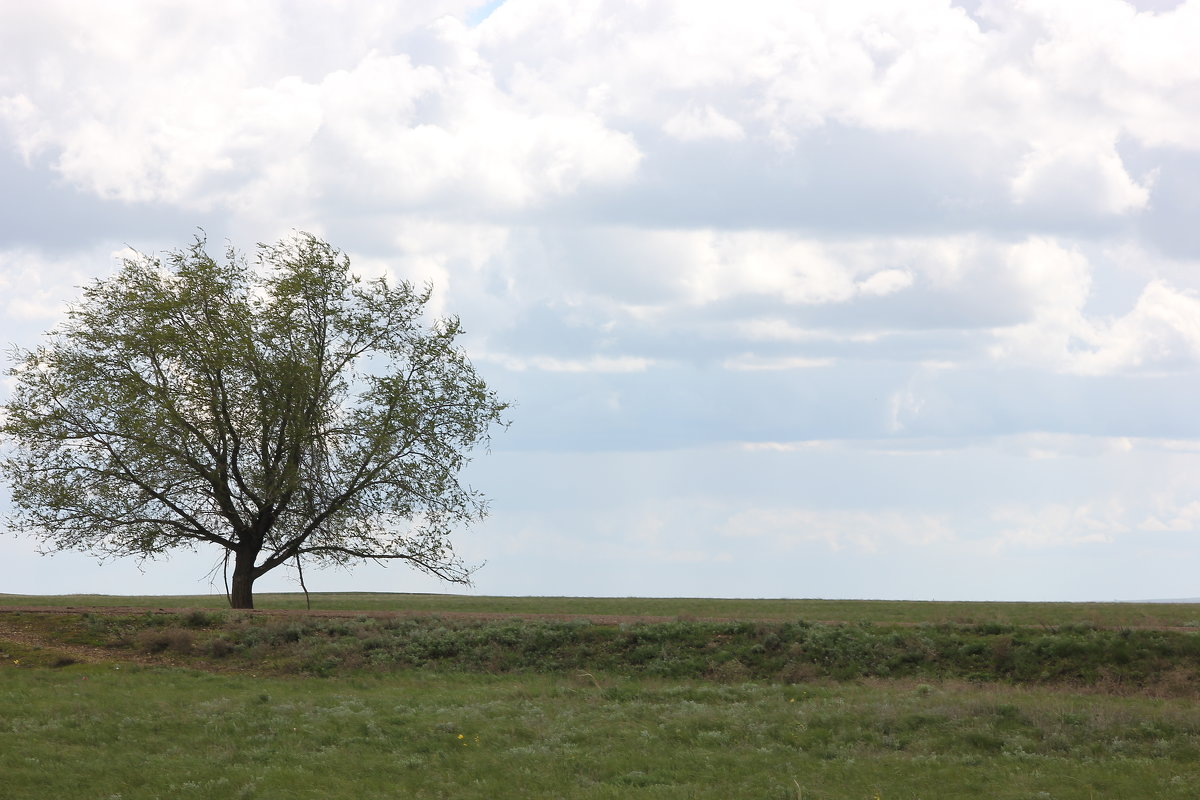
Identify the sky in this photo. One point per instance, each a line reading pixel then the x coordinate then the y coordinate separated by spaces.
pixel 834 298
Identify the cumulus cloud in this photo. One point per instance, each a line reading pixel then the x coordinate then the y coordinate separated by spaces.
pixel 415 107
pixel 1078 175
pixel 773 300
pixel 146 120
pixel 1160 332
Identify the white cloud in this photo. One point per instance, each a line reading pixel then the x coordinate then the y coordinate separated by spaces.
pixel 700 266
pixel 1057 281
pixel 294 115
pixel 780 300
pixel 885 282
pixel 780 447
pixel 1162 330
pixel 696 124
pixel 763 329
pixel 552 364
pixel 1112 66
pixel 1059 87
pixel 1175 507
pixel 453 257
pixel 147 120
pixel 1078 176
pixel 41 305
pixel 35 287
pixel 903 407
pixel 1042 445
pixel 474 143
pixel 749 362
pixel 1058 525
pixel 1186 518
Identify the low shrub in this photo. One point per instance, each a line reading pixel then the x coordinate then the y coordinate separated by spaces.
pixel 202 619
pixel 221 647
pixel 784 652
pixel 158 640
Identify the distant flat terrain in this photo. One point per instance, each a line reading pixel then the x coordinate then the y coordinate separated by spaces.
pixel 1132 615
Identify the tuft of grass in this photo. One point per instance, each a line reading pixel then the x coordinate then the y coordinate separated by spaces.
pixel 198 618
pixel 161 640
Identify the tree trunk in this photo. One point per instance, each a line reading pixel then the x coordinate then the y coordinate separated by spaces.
pixel 241 592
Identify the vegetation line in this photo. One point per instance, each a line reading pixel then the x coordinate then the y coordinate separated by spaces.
pixel 791 652
pixel 1111 615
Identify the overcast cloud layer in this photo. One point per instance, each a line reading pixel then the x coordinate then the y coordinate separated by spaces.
pixel 840 299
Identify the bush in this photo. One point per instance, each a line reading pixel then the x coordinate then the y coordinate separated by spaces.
pixel 159 640
pixel 202 619
pixel 219 648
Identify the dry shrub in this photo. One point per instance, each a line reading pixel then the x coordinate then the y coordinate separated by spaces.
pixel 799 672
pixel 162 640
pixel 219 648
pixel 731 671
pixel 1178 682
pixel 199 618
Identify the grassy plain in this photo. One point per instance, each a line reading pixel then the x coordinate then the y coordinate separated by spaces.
pixel 222 704
pixel 874 611
pixel 106 732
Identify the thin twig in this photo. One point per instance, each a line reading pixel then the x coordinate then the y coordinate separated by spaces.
pixel 300 571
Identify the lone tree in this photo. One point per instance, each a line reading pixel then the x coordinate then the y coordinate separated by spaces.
pixel 284 410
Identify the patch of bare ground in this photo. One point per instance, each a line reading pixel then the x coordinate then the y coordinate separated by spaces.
pixel 57 653
pixel 51 650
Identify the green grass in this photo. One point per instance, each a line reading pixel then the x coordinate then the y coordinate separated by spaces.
pixel 925 701
pixel 875 611
pixel 132 733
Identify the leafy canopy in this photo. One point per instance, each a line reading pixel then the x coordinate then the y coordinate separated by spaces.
pixel 280 410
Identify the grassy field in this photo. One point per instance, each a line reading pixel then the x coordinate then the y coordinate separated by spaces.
pixel 874 611
pixel 914 703
pixel 130 732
